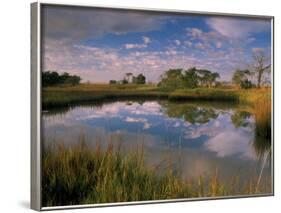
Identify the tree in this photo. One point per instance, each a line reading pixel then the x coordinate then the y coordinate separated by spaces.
pixel 246 84
pixel 206 77
pixel 203 76
pixel 64 77
pixel 190 78
pixel 240 77
pixel 171 79
pixel 73 80
pixel 52 78
pixel 124 81
pixel 139 79
pixel 112 82
pixel 260 66
pixel 213 78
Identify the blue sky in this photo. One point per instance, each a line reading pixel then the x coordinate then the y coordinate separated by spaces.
pixel 104 44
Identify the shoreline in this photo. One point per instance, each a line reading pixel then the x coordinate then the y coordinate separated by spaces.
pixel 53 97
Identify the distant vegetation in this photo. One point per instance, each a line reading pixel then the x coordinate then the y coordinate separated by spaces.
pixel 191 78
pixel 175 84
pixel 258 69
pixel 175 79
pixel 240 78
pixel 130 78
pixel 52 78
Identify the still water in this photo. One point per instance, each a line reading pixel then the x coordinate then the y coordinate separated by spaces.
pixel 195 138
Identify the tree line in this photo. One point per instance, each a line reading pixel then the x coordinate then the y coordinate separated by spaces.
pixel 179 78
pixel 52 78
pixel 130 78
pixel 190 78
pixel 254 76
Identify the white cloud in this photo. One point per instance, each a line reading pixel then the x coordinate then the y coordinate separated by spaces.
pixel 134 46
pixel 199 46
pixel 98 64
pixel 194 32
pixel 205 40
pixel 238 28
pixel 146 40
pixel 188 43
pixel 230 143
pixel 257 50
pixel 146 124
pixel 177 42
pixel 135 120
pixel 218 44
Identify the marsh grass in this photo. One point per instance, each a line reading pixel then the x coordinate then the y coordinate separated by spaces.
pixel 80 174
pixel 67 96
pixel 71 95
pixel 263 128
pixel 262 113
pixel 206 94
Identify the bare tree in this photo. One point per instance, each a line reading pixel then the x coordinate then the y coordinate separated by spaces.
pixel 260 66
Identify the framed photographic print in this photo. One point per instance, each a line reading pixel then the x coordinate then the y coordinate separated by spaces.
pixel 135 105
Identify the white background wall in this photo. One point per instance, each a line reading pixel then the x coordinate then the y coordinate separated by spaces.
pixel 15 105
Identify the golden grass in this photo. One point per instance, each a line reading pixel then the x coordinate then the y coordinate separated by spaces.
pixel 262 113
pixel 80 174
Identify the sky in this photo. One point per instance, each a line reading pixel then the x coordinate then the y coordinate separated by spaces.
pixel 103 44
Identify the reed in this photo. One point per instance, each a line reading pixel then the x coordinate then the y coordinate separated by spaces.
pixel 262 112
pixel 80 174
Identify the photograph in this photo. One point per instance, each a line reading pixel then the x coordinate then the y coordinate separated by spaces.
pixel 144 105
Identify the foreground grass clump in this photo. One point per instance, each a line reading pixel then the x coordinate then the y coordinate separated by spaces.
pixel 82 175
pixel 262 112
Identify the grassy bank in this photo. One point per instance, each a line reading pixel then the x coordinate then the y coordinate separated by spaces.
pixel 66 96
pixel 82 175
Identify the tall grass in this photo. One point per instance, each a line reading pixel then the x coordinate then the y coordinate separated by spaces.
pixel 262 112
pixel 79 174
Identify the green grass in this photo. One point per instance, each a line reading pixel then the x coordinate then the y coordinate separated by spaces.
pixel 80 174
pixel 67 96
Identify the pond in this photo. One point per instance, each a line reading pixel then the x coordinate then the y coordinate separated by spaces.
pixel 195 138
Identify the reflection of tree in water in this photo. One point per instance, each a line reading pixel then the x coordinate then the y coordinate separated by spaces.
pixel 261 142
pixel 191 113
pixel 240 118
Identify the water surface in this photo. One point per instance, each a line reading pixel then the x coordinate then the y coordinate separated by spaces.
pixel 195 138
